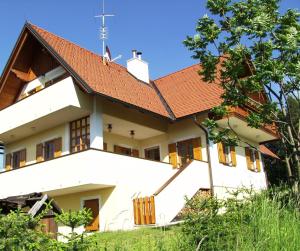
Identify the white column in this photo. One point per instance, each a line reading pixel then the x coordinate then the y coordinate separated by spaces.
pixel 96 125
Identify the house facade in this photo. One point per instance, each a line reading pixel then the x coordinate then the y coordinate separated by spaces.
pixel 95 134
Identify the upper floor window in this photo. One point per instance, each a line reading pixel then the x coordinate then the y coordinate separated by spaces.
pixel 183 152
pixel 80 134
pixel 152 153
pixel 15 160
pixel 49 150
pixel 252 159
pixel 126 151
pixel 226 154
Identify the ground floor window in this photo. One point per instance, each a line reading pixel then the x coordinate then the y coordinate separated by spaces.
pixel 93 205
pixel 152 153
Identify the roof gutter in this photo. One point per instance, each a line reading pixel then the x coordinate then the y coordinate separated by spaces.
pixel 205 130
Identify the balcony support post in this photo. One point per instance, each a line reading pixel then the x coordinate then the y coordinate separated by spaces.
pixel 96 125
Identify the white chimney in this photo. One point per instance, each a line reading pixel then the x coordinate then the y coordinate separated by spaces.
pixel 137 67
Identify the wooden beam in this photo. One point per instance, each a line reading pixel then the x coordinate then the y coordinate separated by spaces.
pixel 24 76
pixel 13 60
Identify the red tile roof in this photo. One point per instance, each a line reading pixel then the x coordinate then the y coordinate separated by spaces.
pixel 267 151
pixel 111 80
pixel 186 93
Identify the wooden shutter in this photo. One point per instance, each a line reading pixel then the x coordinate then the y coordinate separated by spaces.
pixel 57 147
pixel 257 161
pixel 197 149
pixel 8 159
pixel 39 152
pixel 248 158
pixel 233 155
pixel 23 158
pixel 135 153
pixel 105 146
pixel 221 154
pixel 94 206
pixel 173 155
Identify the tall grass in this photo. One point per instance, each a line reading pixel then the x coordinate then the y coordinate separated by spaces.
pixel 268 221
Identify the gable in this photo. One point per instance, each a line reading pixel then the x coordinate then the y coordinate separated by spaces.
pixel 28 61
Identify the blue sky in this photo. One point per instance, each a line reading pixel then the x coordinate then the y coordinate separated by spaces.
pixel 155 27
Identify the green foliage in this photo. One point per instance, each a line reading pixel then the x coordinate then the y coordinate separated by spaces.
pixel 248 47
pixel 20 231
pixel 74 219
pixel 267 221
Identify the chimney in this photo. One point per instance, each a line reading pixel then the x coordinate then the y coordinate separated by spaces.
pixel 137 67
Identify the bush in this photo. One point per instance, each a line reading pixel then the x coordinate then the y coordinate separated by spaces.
pixel 266 221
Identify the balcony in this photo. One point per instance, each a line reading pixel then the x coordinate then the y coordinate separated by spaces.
pixel 236 121
pixel 83 171
pixel 54 105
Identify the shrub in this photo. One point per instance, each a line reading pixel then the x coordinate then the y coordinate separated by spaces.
pixel 266 221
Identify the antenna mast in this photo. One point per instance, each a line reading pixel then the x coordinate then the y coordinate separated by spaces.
pixel 103 29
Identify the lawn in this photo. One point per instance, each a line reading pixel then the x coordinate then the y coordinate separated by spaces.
pixel 145 239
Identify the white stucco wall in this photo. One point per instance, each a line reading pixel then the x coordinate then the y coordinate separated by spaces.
pixel 229 178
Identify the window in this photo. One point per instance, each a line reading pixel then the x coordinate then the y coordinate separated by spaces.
pixel 16 160
pixel 227 154
pixel 152 153
pixel 80 134
pixel 252 158
pixel 49 150
pixel 187 150
pixel 93 205
pixel 126 151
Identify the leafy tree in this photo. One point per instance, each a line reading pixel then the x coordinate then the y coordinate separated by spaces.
pixel 249 48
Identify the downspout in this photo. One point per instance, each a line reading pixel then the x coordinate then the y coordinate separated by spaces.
pixel 204 129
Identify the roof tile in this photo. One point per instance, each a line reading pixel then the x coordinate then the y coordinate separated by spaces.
pixel 111 80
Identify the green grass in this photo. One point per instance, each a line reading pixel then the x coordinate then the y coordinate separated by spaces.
pixel 145 239
pixel 263 223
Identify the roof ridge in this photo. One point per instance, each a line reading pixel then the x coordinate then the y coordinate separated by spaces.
pixel 183 69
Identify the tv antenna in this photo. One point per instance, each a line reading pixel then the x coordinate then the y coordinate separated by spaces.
pixel 104 34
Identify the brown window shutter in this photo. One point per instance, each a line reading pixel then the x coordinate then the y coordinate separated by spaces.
pixel 135 153
pixel 197 149
pixel 258 167
pixel 233 155
pixel 94 206
pixel 173 154
pixel 39 152
pixel 105 146
pixel 23 158
pixel 221 153
pixel 248 158
pixel 8 159
pixel 57 147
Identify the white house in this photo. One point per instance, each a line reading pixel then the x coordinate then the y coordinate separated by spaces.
pixel 102 136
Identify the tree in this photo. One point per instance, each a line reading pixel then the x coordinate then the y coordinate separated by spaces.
pixel 249 47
